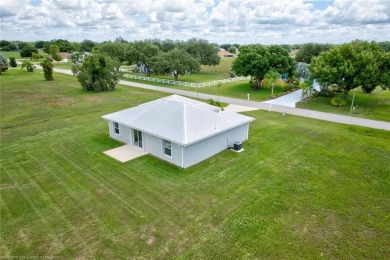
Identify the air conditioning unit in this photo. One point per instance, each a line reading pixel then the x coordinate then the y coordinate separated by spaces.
pixel 237 146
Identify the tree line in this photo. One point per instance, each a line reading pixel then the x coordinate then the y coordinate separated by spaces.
pixel 346 66
pixel 165 57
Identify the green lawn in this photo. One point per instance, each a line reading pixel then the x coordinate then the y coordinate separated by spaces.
pixel 207 73
pixel 200 76
pixel 8 54
pixel 225 66
pixel 241 89
pixel 297 191
pixel 238 89
pixel 373 106
pixel 16 55
pixel 62 65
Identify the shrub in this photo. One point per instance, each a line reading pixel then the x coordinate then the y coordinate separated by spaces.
pixel 12 62
pixel 338 102
pixel 3 63
pixel 36 56
pixel 28 65
pixel 47 67
pixel 288 87
pixel 214 102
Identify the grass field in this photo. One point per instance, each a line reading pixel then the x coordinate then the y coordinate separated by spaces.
pixel 16 55
pixel 8 54
pixel 238 89
pixel 62 65
pixel 373 106
pixel 200 76
pixel 225 66
pixel 207 73
pixel 301 189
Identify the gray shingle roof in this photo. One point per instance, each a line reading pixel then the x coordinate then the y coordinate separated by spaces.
pixel 178 119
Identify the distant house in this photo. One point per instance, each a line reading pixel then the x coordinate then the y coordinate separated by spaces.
pixel 225 54
pixel 65 55
pixel 179 130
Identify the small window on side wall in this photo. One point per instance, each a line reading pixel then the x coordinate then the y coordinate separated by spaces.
pixel 167 148
pixel 116 128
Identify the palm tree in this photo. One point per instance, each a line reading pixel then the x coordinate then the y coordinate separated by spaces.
pixel 269 79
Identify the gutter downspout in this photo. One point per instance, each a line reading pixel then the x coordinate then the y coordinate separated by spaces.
pixel 182 156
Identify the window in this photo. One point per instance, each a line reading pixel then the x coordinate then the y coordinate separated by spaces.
pixel 116 128
pixel 167 148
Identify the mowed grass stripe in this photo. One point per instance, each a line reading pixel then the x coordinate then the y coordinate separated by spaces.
pixel 102 183
pixel 52 237
pixel 55 203
pixel 75 194
pixel 153 194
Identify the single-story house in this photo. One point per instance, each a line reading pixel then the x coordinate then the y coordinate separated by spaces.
pixel 179 130
pixel 225 54
pixel 65 55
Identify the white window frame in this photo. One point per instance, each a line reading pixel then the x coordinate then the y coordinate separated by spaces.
pixel 164 146
pixel 116 128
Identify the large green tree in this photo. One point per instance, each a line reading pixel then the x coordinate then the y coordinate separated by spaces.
pixel 258 60
pixel 385 46
pixel 141 54
pixel 27 50
pixel 39 44
pixel 205 52
pixel 64 45
pixel 116 51
pixel 352 65
pixel 175 62
pixel 309 50
pixel 97 73
pixel 54 51
pixel 87 45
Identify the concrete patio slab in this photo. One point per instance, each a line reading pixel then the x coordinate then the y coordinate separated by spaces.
pixel 237 108
pixel 125 153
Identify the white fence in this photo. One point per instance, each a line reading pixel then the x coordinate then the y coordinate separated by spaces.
pixel 186 84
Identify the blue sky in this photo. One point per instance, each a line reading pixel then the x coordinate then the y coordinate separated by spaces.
pixel 320 4
pixel 220 21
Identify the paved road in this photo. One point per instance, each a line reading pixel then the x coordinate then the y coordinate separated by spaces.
pixel 263 105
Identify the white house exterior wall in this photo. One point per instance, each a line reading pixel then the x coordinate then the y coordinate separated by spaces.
pixel 208 147
pixel 151 144
pixel 154 146
pixel 124 133
pixel 188 155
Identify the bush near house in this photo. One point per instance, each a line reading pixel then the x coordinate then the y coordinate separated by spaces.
pixel 338 102
pixel 12 62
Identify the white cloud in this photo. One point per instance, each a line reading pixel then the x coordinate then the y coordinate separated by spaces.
pixel 222 21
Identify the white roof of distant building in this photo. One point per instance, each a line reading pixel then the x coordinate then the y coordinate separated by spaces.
pixel 178 119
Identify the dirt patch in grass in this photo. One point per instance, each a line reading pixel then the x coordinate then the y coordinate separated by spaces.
pixel 53 100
